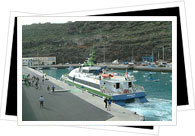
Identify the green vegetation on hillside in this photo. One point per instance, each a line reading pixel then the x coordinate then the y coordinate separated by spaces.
pixel 72 42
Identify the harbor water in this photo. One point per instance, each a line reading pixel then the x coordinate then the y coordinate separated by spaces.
pixel 158 88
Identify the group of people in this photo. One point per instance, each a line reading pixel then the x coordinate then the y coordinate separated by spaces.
pixel 51 88
pixel 34 81
pixel 44 77
pixel 107 102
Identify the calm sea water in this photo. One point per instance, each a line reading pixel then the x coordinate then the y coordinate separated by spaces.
pixel 158 88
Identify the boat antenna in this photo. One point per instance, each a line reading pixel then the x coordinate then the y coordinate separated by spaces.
pixel 90 60
pixel 163 53
pixel 132 55
pixel 126 74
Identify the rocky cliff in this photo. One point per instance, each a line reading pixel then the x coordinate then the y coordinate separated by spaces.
pixel 73 41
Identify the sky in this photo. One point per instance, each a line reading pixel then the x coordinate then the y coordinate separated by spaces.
pixel 32 20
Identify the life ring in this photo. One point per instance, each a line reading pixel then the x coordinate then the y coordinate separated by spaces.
pixel 107 75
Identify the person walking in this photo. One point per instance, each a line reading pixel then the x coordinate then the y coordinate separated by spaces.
pixel 37 79
pixel 53 89
pixel 106 102
pixel 36 85
pixel 82 88
pixel 109 104
pixel 73 78
pixel 43 80
pixel 41 100
pixel 103 88
pixel 48 89
pixel 33 80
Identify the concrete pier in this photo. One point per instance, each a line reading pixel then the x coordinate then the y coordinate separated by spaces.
pixel 153 69
pixel 67 104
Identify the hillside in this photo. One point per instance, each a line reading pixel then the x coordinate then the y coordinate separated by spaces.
pixel 73 41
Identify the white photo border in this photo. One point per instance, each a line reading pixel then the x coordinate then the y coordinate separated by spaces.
pixel 129 129
pixel 21 20
pixel 94 12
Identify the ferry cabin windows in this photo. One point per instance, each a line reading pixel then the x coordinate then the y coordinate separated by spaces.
pixel 88 71
pixel 85 71
pixel 92 71
pixel 130 84
pixel 117 85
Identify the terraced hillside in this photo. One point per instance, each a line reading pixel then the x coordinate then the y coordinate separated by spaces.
pixel 73 41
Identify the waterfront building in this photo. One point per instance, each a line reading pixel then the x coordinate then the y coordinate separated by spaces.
pixel 35 61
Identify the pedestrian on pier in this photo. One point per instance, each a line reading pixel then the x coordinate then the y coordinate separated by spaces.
pixel 43 80
pixel 37 79
pixel 73 78
pixel 109 104
pixel 30 82
pixel 103 88
pixel 53 88
pixel 48 89
pixel 41 100
pixel 33 80
pixel 82 88
pixel 36 85
pixel 106 102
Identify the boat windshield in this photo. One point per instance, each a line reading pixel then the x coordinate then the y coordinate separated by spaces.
pixel 92 71
pixel 88 71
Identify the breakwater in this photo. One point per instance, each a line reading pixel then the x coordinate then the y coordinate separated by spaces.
pixel 112 66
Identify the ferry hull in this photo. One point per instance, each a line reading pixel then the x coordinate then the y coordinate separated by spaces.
pixel 118 99
pixel 124 98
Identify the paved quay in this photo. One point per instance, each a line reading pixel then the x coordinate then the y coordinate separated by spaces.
pixel 67 104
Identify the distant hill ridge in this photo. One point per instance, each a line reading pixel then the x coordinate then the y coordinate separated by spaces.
pixel 73 41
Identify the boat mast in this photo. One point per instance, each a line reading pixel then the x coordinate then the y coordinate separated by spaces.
pixel 163 54
pixel 104 49
pixel 132 55
pixel 38 58
pixel 104 54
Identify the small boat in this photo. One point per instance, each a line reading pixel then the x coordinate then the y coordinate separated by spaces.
pixel 164 73
pixel 38 68
pixel 135 71
pixel 147 73
pixel 156 80
pixel 70 68
pixel 53 68
pixel 151 73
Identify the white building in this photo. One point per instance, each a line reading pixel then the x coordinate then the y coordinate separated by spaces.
pixel 27 61
pixel 35 61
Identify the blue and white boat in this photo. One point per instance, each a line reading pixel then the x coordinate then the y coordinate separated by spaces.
pixel 98 81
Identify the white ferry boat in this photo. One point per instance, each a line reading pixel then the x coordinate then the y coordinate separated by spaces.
pixel 98 81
